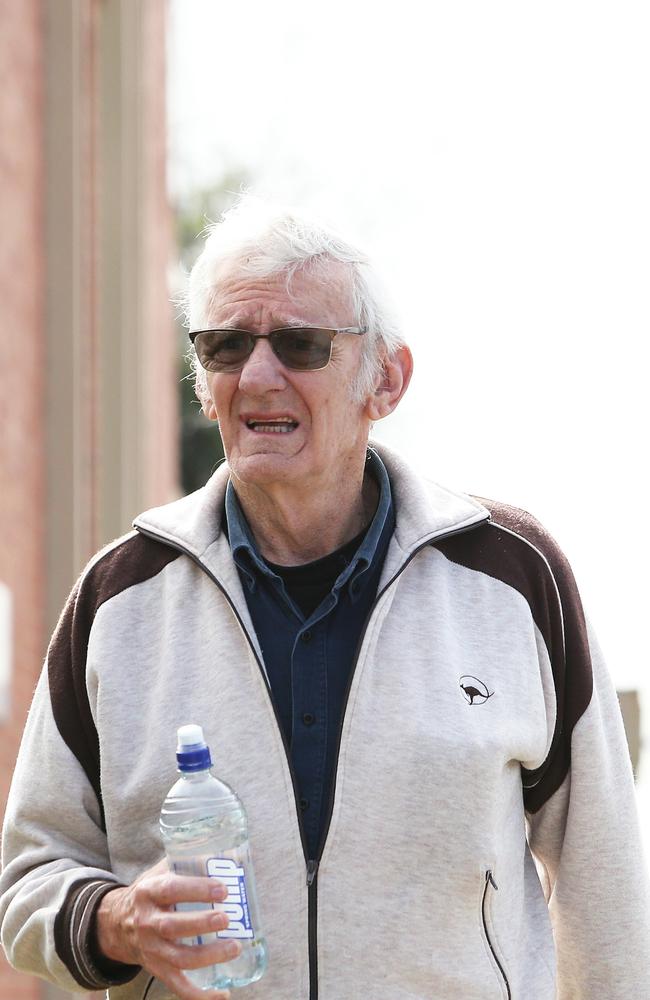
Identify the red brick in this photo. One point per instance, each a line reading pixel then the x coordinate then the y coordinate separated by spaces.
pixel 21 378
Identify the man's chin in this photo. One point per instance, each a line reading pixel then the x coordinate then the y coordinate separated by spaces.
pixel 265 468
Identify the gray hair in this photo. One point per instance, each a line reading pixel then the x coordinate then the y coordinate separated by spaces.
pixel 262 240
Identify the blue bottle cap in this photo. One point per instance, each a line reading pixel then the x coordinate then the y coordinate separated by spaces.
pixel 192 752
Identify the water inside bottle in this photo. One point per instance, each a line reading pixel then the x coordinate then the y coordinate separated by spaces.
pixel 220 844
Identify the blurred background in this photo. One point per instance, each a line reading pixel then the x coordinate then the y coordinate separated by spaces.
pixel 493 158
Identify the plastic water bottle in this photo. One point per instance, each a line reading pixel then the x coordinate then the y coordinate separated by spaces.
pixel 204 829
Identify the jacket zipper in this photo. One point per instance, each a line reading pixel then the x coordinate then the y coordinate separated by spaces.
pixel 489 880
pixel 313 863
pixel 312 926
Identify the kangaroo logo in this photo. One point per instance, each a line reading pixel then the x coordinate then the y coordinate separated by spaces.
pixel 474 691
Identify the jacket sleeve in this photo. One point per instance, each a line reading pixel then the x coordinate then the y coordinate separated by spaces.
pixel 586 838
pixel 55 859
pixel 580 803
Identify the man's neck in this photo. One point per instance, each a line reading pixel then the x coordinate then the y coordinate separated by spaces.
pixel 291 530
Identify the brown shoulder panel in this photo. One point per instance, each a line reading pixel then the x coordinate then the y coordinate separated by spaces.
pixel 131 562
pixel 514 548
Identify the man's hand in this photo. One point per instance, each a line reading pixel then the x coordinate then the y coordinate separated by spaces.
pixel 137 925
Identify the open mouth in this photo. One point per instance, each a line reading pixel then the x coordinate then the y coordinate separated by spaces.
pixel 279 425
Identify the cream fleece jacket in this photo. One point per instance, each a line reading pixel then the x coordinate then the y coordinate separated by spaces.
pixel 482 841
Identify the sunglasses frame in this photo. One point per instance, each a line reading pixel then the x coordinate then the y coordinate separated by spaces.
pixel 272 336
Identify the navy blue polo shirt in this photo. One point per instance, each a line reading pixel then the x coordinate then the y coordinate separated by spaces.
pixel 309 658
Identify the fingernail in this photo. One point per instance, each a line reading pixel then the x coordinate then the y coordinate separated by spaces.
pixel 234 948
pixel 219 891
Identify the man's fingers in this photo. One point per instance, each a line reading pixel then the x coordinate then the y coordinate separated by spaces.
pixel 175 924
pixel 182 988
pixel 169 888
pixel 196 956
pixel 138 924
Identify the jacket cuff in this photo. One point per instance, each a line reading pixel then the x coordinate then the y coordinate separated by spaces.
pixel 75 938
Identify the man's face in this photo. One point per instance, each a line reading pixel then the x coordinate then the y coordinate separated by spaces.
pixel 323 432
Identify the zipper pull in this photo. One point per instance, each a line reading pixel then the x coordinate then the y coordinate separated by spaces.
pixel 488 878
pixel 312 868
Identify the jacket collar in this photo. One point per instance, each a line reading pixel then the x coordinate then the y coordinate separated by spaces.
pixel 424 510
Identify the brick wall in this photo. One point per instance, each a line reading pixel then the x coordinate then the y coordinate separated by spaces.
pixel 161 387
pixel 21 379
pixel 34 184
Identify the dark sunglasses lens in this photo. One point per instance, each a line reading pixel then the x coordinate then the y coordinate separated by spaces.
pixel 223 350
pixel 305 349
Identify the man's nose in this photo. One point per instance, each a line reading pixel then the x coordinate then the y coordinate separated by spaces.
pixel 262 371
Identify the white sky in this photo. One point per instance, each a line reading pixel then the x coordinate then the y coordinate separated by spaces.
pixel 495 159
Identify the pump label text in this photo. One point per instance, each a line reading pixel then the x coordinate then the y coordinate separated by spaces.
pixel 235 904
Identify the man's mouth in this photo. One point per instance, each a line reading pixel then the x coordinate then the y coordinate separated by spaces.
pixel 278 425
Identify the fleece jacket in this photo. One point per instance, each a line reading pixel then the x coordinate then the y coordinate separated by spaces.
pixel 481 841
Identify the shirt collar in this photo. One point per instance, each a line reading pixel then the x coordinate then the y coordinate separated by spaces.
pixel 246 554
pixel 377 535
pixel 242 544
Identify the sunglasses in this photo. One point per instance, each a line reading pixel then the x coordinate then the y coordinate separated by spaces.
pixel 300 348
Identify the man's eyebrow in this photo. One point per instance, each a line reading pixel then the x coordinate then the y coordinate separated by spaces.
pixel 279 324
pixel 295 321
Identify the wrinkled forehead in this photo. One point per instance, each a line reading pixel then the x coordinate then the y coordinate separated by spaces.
pixel 320 291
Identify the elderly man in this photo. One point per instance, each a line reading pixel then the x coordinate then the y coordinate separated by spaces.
pixel 397 679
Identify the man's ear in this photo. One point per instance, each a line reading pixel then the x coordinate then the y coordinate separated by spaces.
pixel 392 383
pixel 210 410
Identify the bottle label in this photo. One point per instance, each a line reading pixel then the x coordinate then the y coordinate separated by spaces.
pixel 236 902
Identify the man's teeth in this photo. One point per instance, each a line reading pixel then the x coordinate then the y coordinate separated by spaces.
pixel 281 426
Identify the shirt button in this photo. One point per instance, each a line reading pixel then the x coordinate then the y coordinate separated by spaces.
pixel 309 719
pixel 304 805
pixel 306 636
